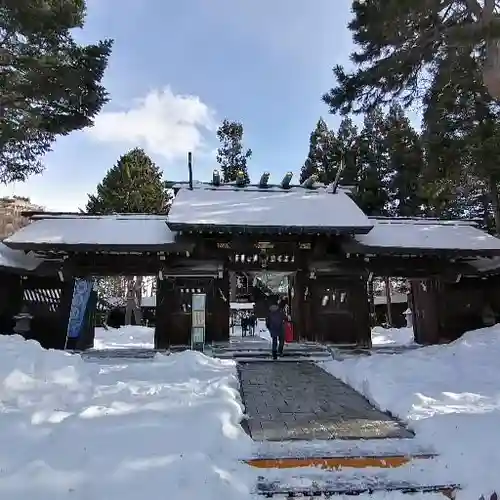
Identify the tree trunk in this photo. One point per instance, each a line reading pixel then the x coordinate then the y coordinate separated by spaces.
pixel 388 300
pixel 495 203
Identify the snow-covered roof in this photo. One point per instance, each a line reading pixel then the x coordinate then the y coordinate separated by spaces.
pixel 113 232
pixel 295 210
pixel 418 235
pixel 17 259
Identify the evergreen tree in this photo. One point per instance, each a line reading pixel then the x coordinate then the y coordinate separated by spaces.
pixel 320 160
pixel 400 41
pixel 372 195
pixel 447 52
pixel 230 155
pixel 346 150
pixel 133 185
pixel 462 130
pixel 405 164
pixel 49 84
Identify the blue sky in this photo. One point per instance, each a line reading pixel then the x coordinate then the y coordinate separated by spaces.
pixel 179 67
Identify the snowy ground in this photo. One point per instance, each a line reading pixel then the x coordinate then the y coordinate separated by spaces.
pixel 124 430
pixel 391 336
pixel 106 429
pixel 124 337
pixel 448 394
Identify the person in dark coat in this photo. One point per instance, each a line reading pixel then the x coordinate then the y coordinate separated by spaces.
pixel 252 322
pixel 275 323
pixel 244 325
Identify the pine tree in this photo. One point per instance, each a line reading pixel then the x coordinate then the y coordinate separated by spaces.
pixel 400 42
pixel 462 130
pixel 49 84
pixel 449 53
pixel 320 160
pixel 405 164
pixel 133 185
pixel 372 195
pixel 346 150
pixel 230 155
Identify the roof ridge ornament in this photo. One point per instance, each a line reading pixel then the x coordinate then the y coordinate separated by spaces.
pixel 264 180
pixel 310 182
pixel 285 183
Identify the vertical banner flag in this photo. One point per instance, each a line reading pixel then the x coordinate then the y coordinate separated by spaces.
pixel 81 295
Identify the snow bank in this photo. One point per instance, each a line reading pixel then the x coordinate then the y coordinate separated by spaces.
pixel 392 336
pixel 168 426
pixel 124 337
pixel 448 394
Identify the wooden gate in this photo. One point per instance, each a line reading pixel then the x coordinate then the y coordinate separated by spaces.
pixel 173 320
pixel 340 311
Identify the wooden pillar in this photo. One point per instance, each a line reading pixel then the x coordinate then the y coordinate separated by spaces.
pixel 221 310
pixel 426 324
pixel 63 313
pixel 11 299
pixel 301 304
pixel 371 301
pixel 164 303
pixel 361 312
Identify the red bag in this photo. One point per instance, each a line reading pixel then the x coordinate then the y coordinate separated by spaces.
pixel 288 332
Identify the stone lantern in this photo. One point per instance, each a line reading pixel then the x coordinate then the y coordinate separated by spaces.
pixel 23 322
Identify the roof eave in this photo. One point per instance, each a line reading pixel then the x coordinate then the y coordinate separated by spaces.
pixel 359 248
pixel 94 247
pixel 259 229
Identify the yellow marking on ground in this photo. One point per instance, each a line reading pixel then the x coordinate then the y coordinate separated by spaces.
pixel 334 463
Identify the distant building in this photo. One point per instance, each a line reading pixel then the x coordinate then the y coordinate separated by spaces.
pixel 11 218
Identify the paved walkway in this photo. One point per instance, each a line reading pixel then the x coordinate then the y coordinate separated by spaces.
pixel 300 401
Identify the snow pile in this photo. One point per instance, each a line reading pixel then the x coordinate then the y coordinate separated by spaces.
pixel 261 330
pixel 126 337
pixel 392 336
pixel 113 428
pixel 448 394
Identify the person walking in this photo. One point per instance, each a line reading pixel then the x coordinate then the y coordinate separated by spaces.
pixel 252 323
pixel 244 325
pixel 275 323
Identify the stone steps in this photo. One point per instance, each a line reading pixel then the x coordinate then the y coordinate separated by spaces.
pixel 355 486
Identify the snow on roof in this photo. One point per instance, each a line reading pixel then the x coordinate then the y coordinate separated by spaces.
pixel 418 234
pixel 110 231
pixel 298 208
pixel 17 259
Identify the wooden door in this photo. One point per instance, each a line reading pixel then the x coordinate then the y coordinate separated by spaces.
pixel 340 310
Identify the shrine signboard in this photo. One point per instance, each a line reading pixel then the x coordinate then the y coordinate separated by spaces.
pixel 198 316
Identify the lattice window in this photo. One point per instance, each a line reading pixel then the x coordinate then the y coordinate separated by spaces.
pixel 42 299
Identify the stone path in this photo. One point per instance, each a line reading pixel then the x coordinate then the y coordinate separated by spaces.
pixel 300 401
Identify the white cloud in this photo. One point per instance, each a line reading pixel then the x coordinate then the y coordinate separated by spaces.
pixel 163 123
